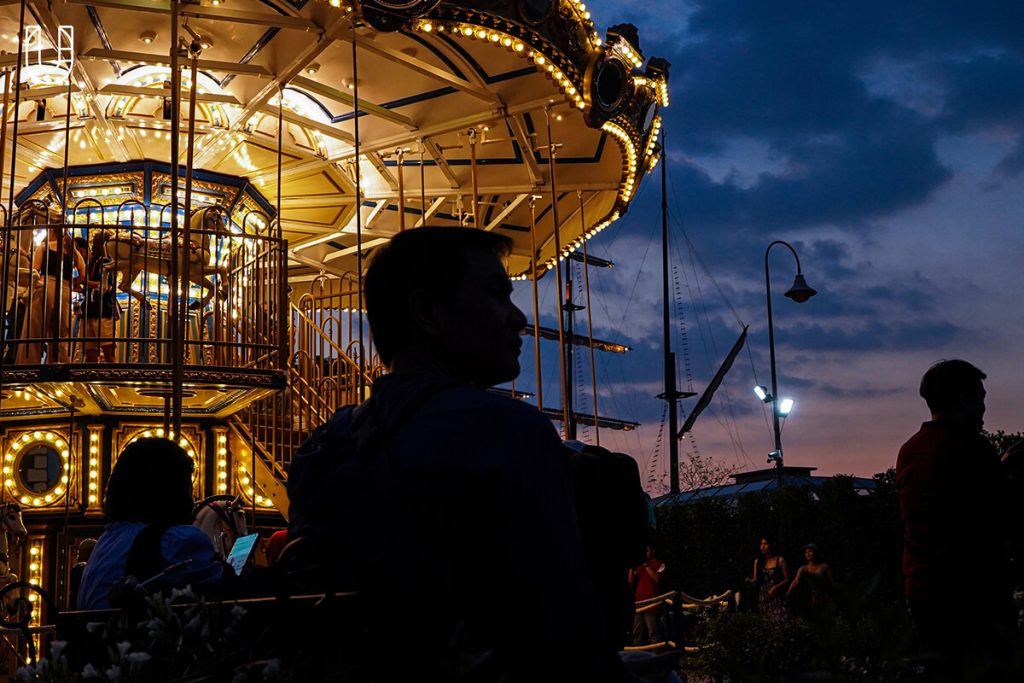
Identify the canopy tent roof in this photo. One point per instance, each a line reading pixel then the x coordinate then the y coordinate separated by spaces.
pixel 762 480
pixel 437 84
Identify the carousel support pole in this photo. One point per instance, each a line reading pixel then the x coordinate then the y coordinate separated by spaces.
pixel 568 425
pixel 536 303
pixel 282 269
pixel 400 156
pixel 173 416
pixel 186 239
pixel 423 185
pixel 55 339
pixel 359 213
pixel 472 133
pixel 590 319
pixel 8 229
pixel 63 559
pixel 14 148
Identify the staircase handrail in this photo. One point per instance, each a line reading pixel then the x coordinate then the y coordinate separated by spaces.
pixel 324 411
pixel 326 337
pixel 242 430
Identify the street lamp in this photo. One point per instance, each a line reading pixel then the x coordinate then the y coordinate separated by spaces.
pixel 799 292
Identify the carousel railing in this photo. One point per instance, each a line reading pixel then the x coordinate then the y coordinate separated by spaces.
pixel 91 291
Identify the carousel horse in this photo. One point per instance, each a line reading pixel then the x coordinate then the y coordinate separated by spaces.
pixel 10 524
pixel 18 273
pixel 16 254
pixel 129 254
pixel 222 518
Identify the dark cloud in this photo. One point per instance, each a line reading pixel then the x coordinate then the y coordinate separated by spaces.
pixel 1013 163
pixel 874 336
pixel 982 90
pixel 790 76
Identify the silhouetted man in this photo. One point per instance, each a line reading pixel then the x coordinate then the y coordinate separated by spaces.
pixel 448 507
pixel 955 503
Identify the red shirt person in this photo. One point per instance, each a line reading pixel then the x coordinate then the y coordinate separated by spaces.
pixel 646 581
pixel 955 505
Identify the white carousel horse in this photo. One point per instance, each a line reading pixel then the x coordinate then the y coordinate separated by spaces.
pixel 10 524
pixel 222 518
pixel 130 254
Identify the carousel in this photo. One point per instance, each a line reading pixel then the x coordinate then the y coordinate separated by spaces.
pixel 189 194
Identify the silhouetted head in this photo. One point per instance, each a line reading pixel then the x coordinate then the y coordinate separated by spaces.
pixel 152 483
pixel 766 546
pixel 812 553
pixel 953 390
pixel 85 548
pixel 439 299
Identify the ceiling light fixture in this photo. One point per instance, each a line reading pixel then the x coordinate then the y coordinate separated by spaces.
pixel 147 37
pixel 312 68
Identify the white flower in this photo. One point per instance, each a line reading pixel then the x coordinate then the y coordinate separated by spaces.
pixel 90 672
pixel 123 648
pixel 138 659
pixel 25 673
pixel 114 673
pixel 237 612
pixel 56 647
pixel 93 625
pixel 185 592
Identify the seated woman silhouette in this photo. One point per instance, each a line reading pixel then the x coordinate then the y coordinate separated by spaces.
pixel 149 507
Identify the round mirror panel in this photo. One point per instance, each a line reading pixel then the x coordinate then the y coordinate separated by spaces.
pixel 39 468
pixel 609 85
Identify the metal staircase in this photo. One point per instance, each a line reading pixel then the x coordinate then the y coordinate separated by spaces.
pixel 323 375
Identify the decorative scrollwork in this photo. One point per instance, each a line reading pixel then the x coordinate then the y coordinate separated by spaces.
pixel 16 612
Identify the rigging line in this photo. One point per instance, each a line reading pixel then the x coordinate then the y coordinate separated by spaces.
pixel 753 369
pixel 678 222
pixel 636 281
pixel 707 336
pixel 652 472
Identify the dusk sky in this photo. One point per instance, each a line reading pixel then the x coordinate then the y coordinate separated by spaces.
pixel 885 141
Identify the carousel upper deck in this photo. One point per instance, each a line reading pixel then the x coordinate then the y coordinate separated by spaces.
pixel 190 190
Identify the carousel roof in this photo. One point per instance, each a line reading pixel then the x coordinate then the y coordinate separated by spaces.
pixel 442 112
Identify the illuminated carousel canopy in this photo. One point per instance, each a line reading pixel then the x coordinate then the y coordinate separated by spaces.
pixel 442 112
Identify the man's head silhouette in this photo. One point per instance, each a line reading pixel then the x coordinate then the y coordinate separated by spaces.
pixel 953 390
pixel 439 301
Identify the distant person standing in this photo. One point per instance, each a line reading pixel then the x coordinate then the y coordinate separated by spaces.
pixel 771 576
pixel 816 577
pixel 957 507
pixel 646 582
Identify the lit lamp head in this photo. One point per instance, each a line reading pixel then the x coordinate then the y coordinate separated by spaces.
pixel 762 393
pixel 800 291
pixel 785 407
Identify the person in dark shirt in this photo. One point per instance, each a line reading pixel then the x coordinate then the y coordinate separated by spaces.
pixel 956 507
pixel 441 502
pixel 85 549
pixel 100 311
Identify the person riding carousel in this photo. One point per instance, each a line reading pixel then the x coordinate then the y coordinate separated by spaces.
pixel 149 506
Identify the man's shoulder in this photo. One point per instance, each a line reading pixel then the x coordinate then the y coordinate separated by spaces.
pixel 484 405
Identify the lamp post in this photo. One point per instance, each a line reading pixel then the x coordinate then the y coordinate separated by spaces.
pixel 799 292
